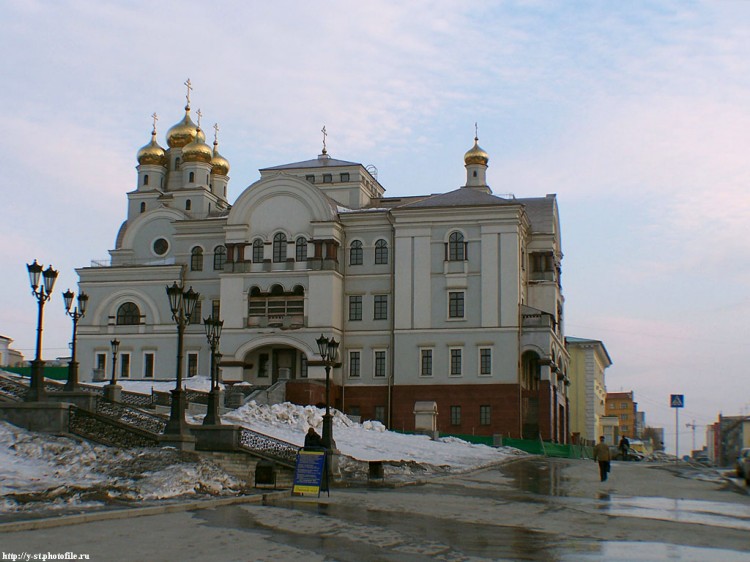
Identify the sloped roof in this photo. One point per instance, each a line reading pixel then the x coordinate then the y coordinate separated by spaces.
pixel 541 212
pixel 314 163
pixel 461 197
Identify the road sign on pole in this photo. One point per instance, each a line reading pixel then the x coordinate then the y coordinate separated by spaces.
pixel 677 401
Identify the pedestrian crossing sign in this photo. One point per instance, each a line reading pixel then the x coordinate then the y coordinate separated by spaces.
pixel 677 401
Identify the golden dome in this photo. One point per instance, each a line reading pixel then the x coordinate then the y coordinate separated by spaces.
pixel 152 153
pixel 219 164
pixel 476 155
pixel 197 151
pixel 184 132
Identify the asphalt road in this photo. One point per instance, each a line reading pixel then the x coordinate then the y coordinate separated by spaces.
pixel 529 509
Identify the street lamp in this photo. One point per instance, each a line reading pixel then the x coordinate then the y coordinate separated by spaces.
pixel 181 303
pixel 42 292
pixel 213 328
pixel 328 349
pixel 115 346
pixel 76 314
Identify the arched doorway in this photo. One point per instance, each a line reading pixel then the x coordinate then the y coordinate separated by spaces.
pixel 268 364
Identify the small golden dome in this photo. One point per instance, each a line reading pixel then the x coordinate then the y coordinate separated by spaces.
pixel 476 155
pixel 219 164
pixel 152 153
pixel 184 132
pixel 197 151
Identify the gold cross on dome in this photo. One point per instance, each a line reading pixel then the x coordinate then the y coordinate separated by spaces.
pixel 189 87
pixel 199 114
pixel 216 133
pixel 155 118
pixel 476 131
pixel 323 130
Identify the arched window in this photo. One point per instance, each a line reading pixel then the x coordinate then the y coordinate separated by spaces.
pixel 456 247
pixel 220 257
pixel 301 249
pixel 381 252
pixel 128 314
pixel 191 177
pixel 177 163
pixel 143 207
pixel 196 259
pixel 257 250
pixel 188 204
pixel 145 179
pixel 279 247
pixel 355 253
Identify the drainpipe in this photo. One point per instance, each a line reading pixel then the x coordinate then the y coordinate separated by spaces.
pixel 389 407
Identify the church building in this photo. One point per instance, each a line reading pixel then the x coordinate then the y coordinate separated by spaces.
pixel 452 298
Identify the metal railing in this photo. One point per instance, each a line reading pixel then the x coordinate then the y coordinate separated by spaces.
pixel 130 416
pixel 268 447
pixel 108 431
pixel 13 389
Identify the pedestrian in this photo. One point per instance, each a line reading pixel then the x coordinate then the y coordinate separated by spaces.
pixel 313 440
pixel 603 456
pixel 624 447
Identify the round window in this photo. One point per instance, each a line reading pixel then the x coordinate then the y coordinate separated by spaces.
pixel 161 246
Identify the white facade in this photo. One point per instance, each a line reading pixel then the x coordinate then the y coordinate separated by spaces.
pixel 460 289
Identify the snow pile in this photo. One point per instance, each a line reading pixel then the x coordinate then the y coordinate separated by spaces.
pixel 57 472
pixel 368 441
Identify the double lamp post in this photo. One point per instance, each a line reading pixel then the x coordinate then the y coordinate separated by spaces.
pixel 328 349
pixel 42 282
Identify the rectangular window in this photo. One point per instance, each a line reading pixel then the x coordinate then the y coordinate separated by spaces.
pixel 354 364
pixel 485 415
pixel 456 304
pixel 380 363
pixel 355 307
pixel 380 413
pixel 216 309
pixel 485 361
pixel 624 428
pixel 623 405
pixel 148 365
pixel 327 178
pixel 455 415
pixel 263 365
pixel 195 317
pixel 425 363
pixel 124 365
pixel 303 367
pixel 344 176
pixel 192 364
pixel 100 370
pixel 624 417
pixel 456 361
pixel 381 307
pixel 310 178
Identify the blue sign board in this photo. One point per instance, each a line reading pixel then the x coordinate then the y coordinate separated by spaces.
pixel 308 472
pixel 677 401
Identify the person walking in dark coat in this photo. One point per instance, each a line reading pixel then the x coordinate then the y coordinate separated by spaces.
pixel 624 447
pixel 313 440
pixel 603 456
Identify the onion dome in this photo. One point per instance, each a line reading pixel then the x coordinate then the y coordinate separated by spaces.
pixel 476 155
pixel 184 132
pixel 152 153
pixel 197 151
pixel 219 164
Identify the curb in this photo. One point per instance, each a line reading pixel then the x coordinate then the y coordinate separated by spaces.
pixel 50 522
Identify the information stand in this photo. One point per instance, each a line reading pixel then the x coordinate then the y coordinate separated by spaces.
pixel 309 472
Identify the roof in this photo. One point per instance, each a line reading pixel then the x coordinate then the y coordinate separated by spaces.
pixel 541 212
pixel 461 197
pixel 315 163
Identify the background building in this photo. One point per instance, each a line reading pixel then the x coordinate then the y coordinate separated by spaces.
pixel 9 357
pixel 453 297
pixel 588 392
pixel 622 405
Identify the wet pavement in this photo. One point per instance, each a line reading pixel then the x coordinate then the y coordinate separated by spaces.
pixel 530 509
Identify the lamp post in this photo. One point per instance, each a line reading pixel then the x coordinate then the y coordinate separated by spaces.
pixel 42 292
pixel 213 328
pixel 76 314
pixel 328 349
pixel 115 346
pixel 181 303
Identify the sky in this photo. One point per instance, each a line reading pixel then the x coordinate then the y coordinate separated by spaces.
pixel 637 115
